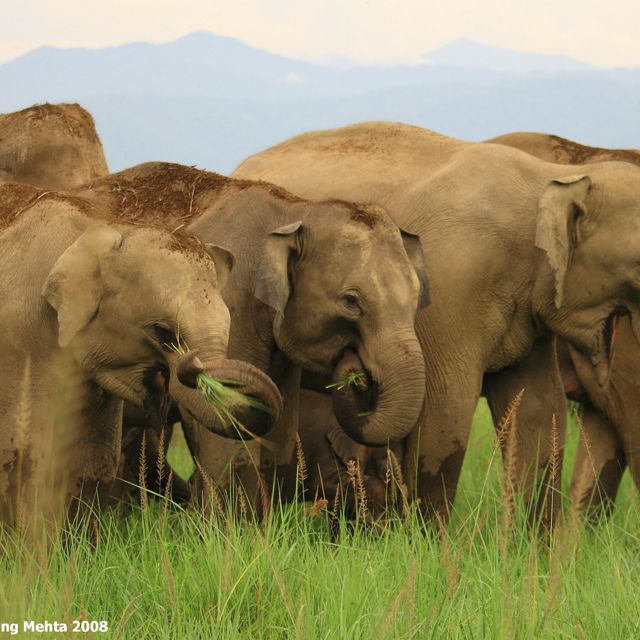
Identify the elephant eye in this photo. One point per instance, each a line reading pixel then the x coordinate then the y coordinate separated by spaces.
pixel 164 334
pixel 351 301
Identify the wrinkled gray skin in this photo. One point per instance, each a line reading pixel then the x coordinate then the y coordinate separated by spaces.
pixel 517 250
pixel 52 146
pixel 87 305
pixel 611 414
pixel 314 282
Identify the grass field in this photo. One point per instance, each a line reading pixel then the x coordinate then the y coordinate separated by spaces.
pixel 161 573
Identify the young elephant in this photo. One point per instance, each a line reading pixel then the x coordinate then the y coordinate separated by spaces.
pixel 53 146
pixel 327 286
pixel 610 414
pixel 518 250
pixel 89 309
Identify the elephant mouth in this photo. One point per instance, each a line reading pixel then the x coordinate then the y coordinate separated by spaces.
pixel 156 401
pixel 603 349
pixel 354 392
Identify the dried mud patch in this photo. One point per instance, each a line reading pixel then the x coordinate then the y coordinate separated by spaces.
pixel 16 198
pixel 576 153
pixel 170 194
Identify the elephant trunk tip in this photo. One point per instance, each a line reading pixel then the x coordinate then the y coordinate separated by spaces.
pixel 189 368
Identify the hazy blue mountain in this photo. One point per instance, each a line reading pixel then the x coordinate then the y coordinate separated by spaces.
pixel 467 53
pixel 211 101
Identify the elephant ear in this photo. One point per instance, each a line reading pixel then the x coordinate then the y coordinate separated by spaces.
pixel 562 204
pixel 413 247
pixel 74 285
pixel 224 261
pixel 271 285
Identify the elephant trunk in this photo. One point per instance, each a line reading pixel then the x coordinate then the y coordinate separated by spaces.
pixel 385 406
pixel 247 380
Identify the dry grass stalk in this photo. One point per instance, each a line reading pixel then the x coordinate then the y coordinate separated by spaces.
pixel 451 570
pixel 398 481
pixel 95 532
pixel 142 471
pixel 554 462
pixel 211 493
pixel 265 501
pixel 507 420
pixel 301 469
pixel 582 491
pixel 390 489
pixel 167 495
pixel 23 422
pixel 243 503
pixel 334 516
pixel 161 461
pixel 509 476
pixel 319 505
pixel 508 439
pixel 360 493
pixel 563 543
pixel 555 451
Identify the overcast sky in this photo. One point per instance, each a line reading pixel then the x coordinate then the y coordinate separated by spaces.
pixel 602 32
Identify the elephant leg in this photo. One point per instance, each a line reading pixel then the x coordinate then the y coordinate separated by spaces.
pixel 435 449
pixel 599 467
pixel 534 459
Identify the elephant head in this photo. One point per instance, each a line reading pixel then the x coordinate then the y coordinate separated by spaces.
pixel 345 285
pixel 589 227
pixel 126 296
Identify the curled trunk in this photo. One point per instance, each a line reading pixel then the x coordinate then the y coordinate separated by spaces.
pixel 249 381
pixel 386 406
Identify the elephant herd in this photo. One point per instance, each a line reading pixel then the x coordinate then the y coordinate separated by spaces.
pixel 392 277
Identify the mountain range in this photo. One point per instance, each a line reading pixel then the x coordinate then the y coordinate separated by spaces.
pixel 210 101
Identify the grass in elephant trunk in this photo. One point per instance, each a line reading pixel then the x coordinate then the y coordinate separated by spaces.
pixel 357 380
pixel 222 396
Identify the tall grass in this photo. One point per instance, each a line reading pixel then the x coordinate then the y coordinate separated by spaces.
pixel 164 573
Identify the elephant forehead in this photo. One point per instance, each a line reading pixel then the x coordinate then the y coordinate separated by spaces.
pixel 146 246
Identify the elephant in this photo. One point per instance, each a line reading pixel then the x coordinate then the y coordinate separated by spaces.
pixel 323 285
pixel 52 146
pixel 610 414
pixel 91 307
pixel 518 251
